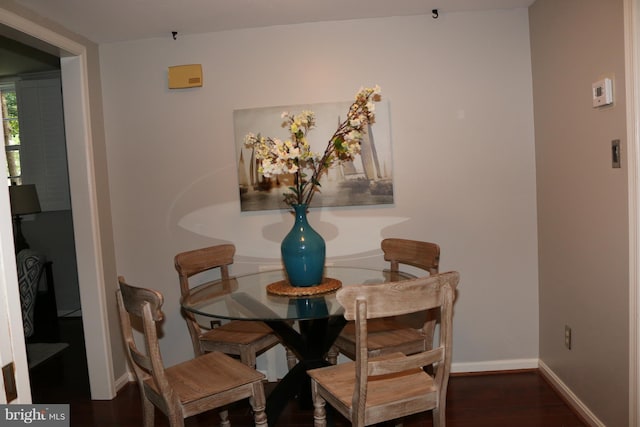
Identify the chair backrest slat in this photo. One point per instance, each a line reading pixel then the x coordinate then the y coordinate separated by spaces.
pixel 408 296
pixel 385 367
pixel 197 261
pixel 423 255
pixel 134 298
pixel 140 359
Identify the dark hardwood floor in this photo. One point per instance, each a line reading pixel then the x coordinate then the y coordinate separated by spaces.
pixel 520 399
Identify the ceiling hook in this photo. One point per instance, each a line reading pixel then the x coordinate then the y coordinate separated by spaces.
pixel 174 34
pixel 434 13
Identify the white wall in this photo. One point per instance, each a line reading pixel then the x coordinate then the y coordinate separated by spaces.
pixel 459 90
pixel 582 201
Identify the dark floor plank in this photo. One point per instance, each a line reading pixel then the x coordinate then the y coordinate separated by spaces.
pixel 519 399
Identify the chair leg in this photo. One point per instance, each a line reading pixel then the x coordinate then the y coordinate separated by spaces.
pixel 319 410
pixel 248 357
pixel 148 412
pixel 332 355
pixel 224 418
pixel 291 359
pixel 438 417
pixel 175 419
pixel 439 413
pixel 258 404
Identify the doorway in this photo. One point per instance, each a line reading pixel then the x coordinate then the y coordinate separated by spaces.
pixel 74 64
pixel 31 88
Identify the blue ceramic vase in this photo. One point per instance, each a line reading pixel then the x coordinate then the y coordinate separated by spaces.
pixel 303 252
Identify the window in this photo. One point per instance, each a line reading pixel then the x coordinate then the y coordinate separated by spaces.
pixel 35 147
pixel 43 153
pixel 11 132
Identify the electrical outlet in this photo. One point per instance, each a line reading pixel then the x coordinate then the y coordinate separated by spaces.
pixel 567 336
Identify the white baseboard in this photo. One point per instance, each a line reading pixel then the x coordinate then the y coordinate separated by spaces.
pixel 269 267
pixel 125 378
pixel 494 365
pixel 569 396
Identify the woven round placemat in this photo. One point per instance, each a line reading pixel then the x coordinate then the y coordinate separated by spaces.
pixel 283 288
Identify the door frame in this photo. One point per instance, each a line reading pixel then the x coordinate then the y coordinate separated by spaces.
pixel 632 84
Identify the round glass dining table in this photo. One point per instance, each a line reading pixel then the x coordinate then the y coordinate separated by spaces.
pixel 319 319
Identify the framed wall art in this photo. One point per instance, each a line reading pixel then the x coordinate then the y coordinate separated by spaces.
pixel 368 180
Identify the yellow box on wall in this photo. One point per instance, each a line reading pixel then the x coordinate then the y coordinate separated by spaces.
pixel 184 76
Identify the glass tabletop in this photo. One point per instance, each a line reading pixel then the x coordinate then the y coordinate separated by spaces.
pixel 246 297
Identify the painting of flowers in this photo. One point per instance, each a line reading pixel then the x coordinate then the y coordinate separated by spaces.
pixel 363 179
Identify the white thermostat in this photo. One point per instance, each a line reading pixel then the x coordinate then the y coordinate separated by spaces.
pixel 602 93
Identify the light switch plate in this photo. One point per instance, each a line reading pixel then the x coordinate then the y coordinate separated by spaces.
pixel 602 92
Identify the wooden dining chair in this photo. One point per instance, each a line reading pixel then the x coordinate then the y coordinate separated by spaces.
pixel 407 334
pixel 243 338
pixel 210 381
pixel 388 387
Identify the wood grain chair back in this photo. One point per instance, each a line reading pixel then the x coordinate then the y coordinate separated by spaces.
pixel 144 304
pixel 419 254
pixel 409 333
pixel 376 389
pixel 194 262
pixel 242 338
pixel 423 255
pixel 198 385
pixel 198 261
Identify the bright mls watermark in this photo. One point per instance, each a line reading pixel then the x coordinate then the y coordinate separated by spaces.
pixel 36 415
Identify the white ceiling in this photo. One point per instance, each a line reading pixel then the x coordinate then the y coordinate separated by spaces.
pixel 106 21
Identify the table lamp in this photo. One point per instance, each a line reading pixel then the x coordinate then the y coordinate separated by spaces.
pixel 24 201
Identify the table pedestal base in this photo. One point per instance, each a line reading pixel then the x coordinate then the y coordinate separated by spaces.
pixel 310 346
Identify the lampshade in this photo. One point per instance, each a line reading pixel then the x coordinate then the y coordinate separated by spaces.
pixel 24 199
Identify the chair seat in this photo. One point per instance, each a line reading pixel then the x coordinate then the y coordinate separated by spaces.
pixel 385 335
pixel 401 394
pixel 239 332
pixel 210 374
